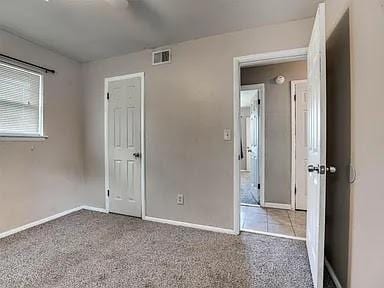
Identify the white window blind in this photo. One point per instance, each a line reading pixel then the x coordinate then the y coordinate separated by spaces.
pixel 20 102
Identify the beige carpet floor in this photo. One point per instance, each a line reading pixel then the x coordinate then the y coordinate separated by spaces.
pixel 91 249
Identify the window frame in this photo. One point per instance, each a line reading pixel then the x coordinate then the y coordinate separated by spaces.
pixel 27 136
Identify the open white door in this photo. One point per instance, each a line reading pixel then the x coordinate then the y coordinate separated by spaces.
pixel 316 148
pixel 301 150
pixel 254 149
pixel 248 142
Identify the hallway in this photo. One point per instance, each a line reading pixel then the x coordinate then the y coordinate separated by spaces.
pixel 277 221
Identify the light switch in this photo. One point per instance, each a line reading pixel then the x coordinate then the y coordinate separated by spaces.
pixel 227 134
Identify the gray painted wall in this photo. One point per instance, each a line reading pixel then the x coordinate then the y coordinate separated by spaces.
pixel 40 179
pixel 188 105
pixel 277 124
pixel 26 194
pixel 366 237
pixel 338 149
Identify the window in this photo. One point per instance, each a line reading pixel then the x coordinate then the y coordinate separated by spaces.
pixel 20 102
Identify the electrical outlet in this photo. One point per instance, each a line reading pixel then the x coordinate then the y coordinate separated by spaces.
pixel 227 134
pixel 180 199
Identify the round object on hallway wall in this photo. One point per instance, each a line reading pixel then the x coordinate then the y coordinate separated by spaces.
pixel 280 80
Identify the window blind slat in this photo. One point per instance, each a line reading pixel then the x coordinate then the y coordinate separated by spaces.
pixel 19 101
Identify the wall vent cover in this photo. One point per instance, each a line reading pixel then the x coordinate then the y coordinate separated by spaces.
pixel 161 57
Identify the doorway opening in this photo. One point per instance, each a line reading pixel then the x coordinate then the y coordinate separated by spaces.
pixel 316 127
pixel 271 166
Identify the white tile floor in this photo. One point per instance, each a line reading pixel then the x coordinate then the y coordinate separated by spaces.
pixel 285 222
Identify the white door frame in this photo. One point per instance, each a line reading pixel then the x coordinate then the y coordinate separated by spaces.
pixel 247 61
pixel 293 136
pixel 142 138
pixel 261 149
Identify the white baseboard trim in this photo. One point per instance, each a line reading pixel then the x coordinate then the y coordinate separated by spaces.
pixel 277 205
pixel 38 222
pixel 102 210
pixel 50 218
pixel 273 234
pixel 332 273
pixel 249 205
pixel 190 225
pixel 96 209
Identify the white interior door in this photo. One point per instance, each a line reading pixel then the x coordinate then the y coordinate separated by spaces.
pixel 248 142
pixel 254 147
pixel 316 148
pixel 301 149
pixel 124 146
pixel 243 125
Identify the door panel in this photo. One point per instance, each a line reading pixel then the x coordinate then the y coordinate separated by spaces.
pixel 255 139
pixel 301 144
pixel 249 141
pixel 253 146
pixel 316 148
pixel 124 142
pixel 131 130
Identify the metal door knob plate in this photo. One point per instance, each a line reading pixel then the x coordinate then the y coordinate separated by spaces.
pixel 321 169
pixel 312 168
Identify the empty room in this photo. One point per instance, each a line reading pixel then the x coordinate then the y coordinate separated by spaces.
pixel 191 143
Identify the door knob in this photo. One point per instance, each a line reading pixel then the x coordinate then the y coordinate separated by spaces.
pixel 321 169
pixel 331 169
pixel 136 155
pixel 312 168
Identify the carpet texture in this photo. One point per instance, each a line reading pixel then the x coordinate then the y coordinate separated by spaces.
pixel 91 249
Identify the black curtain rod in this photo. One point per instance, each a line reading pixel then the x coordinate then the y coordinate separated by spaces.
pixel 46 70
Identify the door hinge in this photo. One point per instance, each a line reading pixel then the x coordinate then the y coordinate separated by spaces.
pixel 295 190
pixel 258 186
pixel 258 101
pixel 108 96
pixel 108 192
pixel 294 97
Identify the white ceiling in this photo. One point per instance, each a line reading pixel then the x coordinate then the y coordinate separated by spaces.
pixel 92 29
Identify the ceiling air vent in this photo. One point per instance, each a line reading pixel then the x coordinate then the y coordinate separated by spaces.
pixel 161 57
